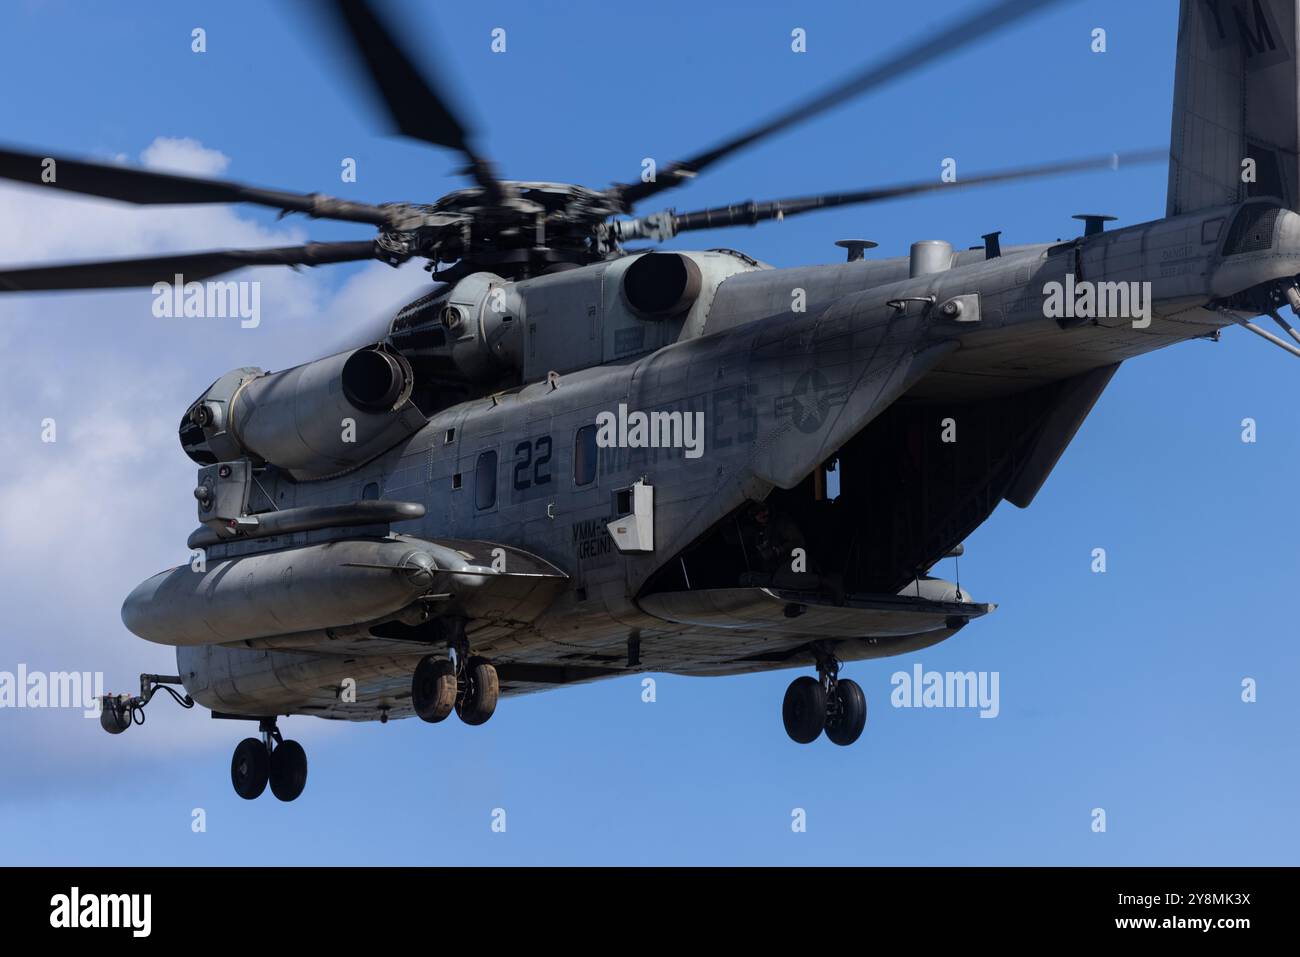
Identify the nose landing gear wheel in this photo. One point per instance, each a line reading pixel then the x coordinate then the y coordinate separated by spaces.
pixel 845 722
pixel 804 710
pixel 250 768
pixel 288 770
pixel 479 692
pixel 433 688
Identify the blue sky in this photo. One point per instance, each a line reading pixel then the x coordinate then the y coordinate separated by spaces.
pixel 1119 690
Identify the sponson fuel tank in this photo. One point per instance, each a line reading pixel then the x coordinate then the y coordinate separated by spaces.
pixel 312 587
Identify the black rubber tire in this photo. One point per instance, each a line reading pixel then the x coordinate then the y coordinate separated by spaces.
pixel 288 770
pixel 433 689
pixel 250 768
pixel 804 710
pixel 846 727
pixel 479 700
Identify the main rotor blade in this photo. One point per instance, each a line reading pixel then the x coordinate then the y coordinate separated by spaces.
pixel 416 106
pixel 747 214
pixel 150 188
pixel 191 267
pixel 978 25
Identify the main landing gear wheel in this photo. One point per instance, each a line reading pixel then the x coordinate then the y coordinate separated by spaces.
pixel 479 690
pixel 250 768
pixel 288 770
pixel 844 723
pixel 433 688
pixel 839 707
pixel 804 710
pixel 271 759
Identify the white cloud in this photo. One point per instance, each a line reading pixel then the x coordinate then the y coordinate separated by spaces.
pixel 184 155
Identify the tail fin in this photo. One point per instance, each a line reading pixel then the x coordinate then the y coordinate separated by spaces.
pixel 1236 98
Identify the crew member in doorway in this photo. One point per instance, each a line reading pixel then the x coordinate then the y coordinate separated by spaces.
pixel 776 536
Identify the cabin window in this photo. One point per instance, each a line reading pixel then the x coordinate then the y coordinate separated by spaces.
pixel 1210 230
pixel 370 492
pixel 485 480
pixel 584 456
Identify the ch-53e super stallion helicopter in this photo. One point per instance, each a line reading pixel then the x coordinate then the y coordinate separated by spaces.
pixel 571 461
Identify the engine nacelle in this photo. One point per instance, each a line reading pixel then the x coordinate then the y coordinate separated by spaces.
pixel 476 327
pixel 314 420
pixel 484 317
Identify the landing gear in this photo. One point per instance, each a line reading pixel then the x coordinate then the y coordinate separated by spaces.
pixel 250 768
pixel 804 710
pixel 288 770
pixel 844 722
pixel 837 706
pixel 433 688
pixel 465 684
pixel 479 691
pixel 270 759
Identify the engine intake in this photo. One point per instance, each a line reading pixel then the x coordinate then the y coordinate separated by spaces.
pixel 374 379
pixel 314 420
